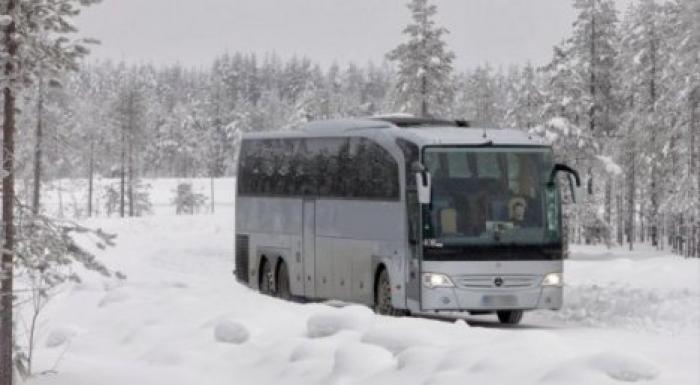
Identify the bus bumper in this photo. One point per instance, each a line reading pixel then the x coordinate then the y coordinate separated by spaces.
pixel 540 297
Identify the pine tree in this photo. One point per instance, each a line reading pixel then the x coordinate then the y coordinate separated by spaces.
pixel 424 83
pixel 642 67
pixel 679 43
pixel 33 35
pixel 581 92
pixel 525 97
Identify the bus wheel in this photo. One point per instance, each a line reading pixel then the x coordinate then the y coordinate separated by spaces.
pixel 266 278
pixel 510 317
pixel 283 290
pixel 382 297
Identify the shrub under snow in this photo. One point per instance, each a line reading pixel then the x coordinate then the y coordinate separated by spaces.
pixel 231 332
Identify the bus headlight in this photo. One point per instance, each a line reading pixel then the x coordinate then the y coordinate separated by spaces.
pixel 553 279
pixel 433 280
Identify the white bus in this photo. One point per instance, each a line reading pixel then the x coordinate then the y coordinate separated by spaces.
pixel 407 215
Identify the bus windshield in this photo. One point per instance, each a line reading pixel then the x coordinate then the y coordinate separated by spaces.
pixel 490 195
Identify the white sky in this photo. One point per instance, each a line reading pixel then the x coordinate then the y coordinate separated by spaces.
pixel 194 32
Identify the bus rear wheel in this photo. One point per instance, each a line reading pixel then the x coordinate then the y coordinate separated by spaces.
pixel 283 290
pixel 510 317
pixel 382 297
pixel 266 278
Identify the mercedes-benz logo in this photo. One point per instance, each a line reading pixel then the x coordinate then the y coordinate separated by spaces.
pixel 498 281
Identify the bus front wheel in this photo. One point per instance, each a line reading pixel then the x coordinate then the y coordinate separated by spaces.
pixel 510 317
pixel 382 297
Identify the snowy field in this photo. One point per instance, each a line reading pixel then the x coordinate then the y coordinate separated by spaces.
pixel 180 318
pixel 69 196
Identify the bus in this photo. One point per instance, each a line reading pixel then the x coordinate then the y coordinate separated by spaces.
pixel 410 216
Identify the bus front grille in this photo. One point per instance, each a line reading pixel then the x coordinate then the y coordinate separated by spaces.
pixel 496 281
pixel 242 247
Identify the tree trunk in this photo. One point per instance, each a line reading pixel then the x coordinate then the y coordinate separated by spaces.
pixel 608 211
pixel 631 187
pixel 8 198
pixel 694 169
pixel 91 176
pixel 591 84
pixel 424 96
pixel 654 209
pixel 36 197
pixel 212 194
pixel 122 174
pixel 130 165
pixel 619 219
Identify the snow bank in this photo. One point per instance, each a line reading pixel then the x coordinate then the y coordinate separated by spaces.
pixel 331 321
pixel 359 360
pixel 595 368
pixel 231 332
pixel 60 336
pixel 641 290
pixel 668 311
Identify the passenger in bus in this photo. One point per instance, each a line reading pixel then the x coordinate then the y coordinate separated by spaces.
pixel 523 206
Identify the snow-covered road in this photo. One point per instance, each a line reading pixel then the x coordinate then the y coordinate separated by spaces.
pixel 180 318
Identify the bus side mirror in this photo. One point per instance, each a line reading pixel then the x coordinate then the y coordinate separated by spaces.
pixel 423 183
pixel 571 173
pixel 424 186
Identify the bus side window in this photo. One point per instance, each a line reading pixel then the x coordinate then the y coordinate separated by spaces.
pixel 380 172
pixel 250 168
pixel 342 183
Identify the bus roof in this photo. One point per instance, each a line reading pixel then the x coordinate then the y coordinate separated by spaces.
pixel 423 132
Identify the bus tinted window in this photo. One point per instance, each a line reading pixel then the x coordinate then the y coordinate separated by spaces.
pixel 323 167
pixel 374 171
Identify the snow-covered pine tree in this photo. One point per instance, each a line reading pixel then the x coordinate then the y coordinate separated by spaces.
pixel 524 97
pixel 581 93
pixel 424 82
pixel 33 34
pixel 641 66
pixel 679 30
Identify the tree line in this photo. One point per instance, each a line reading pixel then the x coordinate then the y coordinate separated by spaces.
pixel 618 100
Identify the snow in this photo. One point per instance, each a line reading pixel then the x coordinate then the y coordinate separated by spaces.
pixel 60 336
pixel 180 318
pixel 609 165
pixel 231 332
pixel 618 366
pixel 5 20
pixel 71 194
pixel 358 318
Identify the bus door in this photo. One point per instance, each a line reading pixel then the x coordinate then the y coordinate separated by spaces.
pixel 413 281
pixel 309 246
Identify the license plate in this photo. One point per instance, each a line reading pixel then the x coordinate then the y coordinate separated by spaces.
pixel 499 300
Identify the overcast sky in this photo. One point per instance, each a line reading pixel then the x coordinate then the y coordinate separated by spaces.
pixel 194 32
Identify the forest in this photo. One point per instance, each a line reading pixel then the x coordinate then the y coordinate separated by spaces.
pixel 618 100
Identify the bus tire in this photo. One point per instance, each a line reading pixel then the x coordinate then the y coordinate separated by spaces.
pixel 265 279
pixel 283 291
pixel 382 297
pixel 510 317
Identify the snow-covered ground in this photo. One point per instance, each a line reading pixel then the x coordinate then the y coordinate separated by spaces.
pixel 68 196
pixel 180 318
